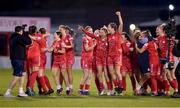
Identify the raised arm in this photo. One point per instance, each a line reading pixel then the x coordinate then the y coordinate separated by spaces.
pixel 120 28
pixel 86 32
pixel 141 50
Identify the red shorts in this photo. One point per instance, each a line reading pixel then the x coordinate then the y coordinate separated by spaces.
pixel 86 62
pixel 114 60
pixel 101 61
pixel 70 60
pixel 155 69
pixel 43 61
pixel 59 64
pixel 33 61
pixel 126 67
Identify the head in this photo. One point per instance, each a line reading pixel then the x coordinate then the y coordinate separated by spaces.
pixel 32 30
pixel 160 30
pixel 42 30
pixel 89 29
pixel 62 28
pixel 103 32
pixel 112 28
pixel 67 30
pixel 96 32
pixel 57 35
pixel 137 34
pixel 147 33
pixel 19 30
pixel 125 36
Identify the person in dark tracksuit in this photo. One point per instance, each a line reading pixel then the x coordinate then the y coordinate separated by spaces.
pixel 18 43
pixel 143 60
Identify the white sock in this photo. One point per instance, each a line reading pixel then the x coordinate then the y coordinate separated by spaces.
pixel 21 90
pixel 67 88
pixel 71 86
pixel 86 90
pixel 8 91
pixel 58 86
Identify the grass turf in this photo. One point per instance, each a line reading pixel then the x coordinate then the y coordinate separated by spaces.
pixel 80 101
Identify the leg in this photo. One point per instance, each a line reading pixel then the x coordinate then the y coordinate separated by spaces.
pixel 100 77
pixel 12 85
pixel 70 76
pixel 124 80
pixel 55 77
pixel 113 75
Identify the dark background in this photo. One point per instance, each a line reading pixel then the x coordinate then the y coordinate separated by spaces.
pixel 90 12
pixel 95 13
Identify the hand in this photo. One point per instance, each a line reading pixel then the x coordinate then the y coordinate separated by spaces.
pixel 105 27
pixel 33 38
pixel 49 49
pixel 55 51
pixel 118 13
pixel 136 46
pixel 131 49
pixel 47 34
pixel 80 27
pixel 95 43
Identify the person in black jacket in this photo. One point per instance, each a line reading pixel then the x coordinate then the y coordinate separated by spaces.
pixel 18 43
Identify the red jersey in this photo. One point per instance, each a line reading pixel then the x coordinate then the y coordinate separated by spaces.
pixel 68 39
pixel 42 44
pixel 89 41
pixel 34 49
pixel 101 49
pixel 114 43
pixel 163 45
pixel 92 36
pixel 58 45
pixel 151 46
pixel 126 53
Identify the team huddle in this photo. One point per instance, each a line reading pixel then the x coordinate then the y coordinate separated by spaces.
pixel 108 54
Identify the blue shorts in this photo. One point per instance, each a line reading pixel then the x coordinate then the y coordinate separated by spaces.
pixel 143 60
pixel 144 68
pixel 18 67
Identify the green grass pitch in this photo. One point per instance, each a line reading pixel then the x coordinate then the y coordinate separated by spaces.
pixel 80 101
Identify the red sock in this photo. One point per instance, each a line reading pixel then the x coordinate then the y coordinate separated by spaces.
pixel 160 84
pixel 38 84
pixel 166 85
pixel 133 82
pixel 115 83
pixel 32 79
pixel 109 85
pixel 81 86
pixel 101 86
pixel 124 83
pixel 175 84
pixel 97 83
pixel 43 84
pixel 28 77
pixel 47 82
pixel 87 87
pixel 153 84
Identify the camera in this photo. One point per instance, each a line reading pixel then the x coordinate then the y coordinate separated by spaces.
pixel 170 28
pixel 24 26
